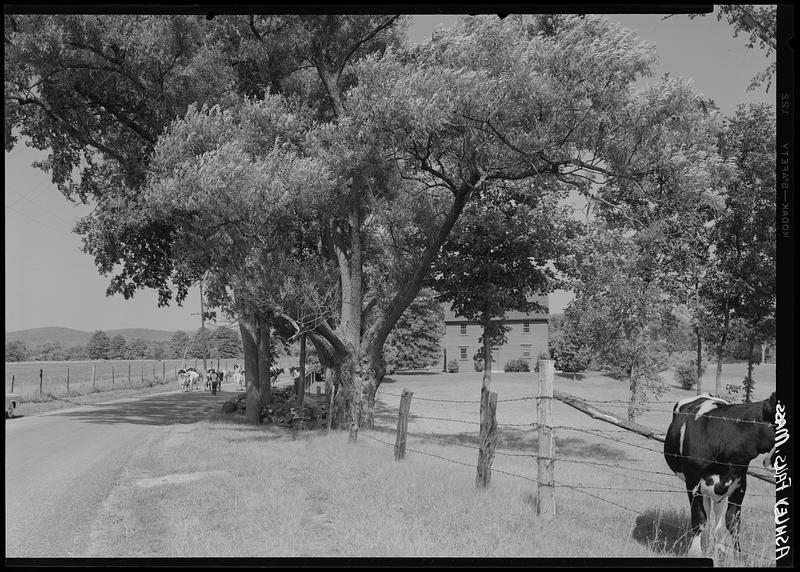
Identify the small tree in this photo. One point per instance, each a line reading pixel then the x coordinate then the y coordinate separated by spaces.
pixel 227 343
pixel 568 353
pixel 616 313
pixel 414 341
pixel 138 349
pixel 178 344
pixel 97 348
pixel 77 353
pixel 156 350
pixel 200 344
pixel 117 347
pixel 52 351
pixel 498 257
pixel 17 351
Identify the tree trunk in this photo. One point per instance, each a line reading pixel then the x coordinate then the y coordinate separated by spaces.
pixel 487 358
pixel 252 393
pixel 264 362
pixel 632 401
pixel 300 385
pixel 699 360
pixel 721 349
pixel 749 384
pixel 376 336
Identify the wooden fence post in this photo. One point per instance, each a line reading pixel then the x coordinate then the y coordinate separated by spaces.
pixel 67 381
pixel 129 373
pixel 41 374
pixel 141 377
pixel 12 384
pixel 545 497
pixel 402 425
pixel 154 371
pixel 112 374
pixel 330 389
pixel 94 372
pixel 164 371
pixel 488 438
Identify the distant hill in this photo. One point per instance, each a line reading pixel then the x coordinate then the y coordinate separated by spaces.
pixel 68 337
pixel 143 333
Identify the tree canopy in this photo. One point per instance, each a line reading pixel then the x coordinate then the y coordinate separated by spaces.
pixel 309 169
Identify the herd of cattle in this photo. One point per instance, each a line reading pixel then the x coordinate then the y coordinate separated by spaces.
pixel 190 379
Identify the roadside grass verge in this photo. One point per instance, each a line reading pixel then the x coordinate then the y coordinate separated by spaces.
pixel 220 488
pixel 268 492
pixel 58 401
pixel 224 489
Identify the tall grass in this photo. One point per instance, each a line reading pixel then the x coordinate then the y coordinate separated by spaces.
pixel 317 495
pixel 223 488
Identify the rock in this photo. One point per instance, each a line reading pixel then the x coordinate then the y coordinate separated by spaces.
pixel 229 407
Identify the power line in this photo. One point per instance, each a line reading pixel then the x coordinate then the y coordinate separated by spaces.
pixel 59 231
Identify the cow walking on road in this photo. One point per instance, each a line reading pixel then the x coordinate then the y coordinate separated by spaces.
pixel 709 445
pixel 238 375
pixel 213 380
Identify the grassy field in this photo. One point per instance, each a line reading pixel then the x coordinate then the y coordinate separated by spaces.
pixel 223 488
pixel 109 375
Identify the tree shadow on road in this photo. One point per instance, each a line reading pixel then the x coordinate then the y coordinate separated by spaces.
pixel 159 409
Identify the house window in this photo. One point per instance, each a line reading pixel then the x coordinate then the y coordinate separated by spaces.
pixel 526 351
pixel 463 350
pixel 526 327
pixel 463 329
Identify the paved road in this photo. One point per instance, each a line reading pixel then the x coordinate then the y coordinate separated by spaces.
pixel 61 466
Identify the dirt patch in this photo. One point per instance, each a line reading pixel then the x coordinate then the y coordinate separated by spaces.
pixel 319 529
pixel 178 478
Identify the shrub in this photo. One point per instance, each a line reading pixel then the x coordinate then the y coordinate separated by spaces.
pixel 478 364
pixel 569 356
pixel 452 366
pixel 517 365
pixel 686 373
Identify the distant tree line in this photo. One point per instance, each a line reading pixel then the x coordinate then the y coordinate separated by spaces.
pixel 219 343
pixel 413 345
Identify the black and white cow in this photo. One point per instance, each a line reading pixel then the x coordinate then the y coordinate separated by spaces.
pixel 274 372
pixel 184 379
pixel 194 377
pixel 213 380
pixel 709 445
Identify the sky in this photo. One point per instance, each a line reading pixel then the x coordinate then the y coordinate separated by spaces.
pixel 49 281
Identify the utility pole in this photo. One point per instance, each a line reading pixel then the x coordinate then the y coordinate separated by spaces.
pixel 203 327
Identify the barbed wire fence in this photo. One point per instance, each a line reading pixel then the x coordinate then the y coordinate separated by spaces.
pixel 614 469
pixel 45 381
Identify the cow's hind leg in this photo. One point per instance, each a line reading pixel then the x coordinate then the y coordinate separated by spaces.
pixel 698 513
pixel 734 512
